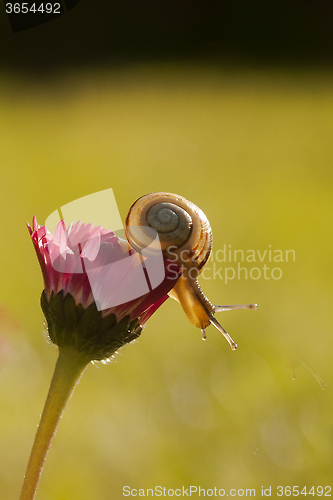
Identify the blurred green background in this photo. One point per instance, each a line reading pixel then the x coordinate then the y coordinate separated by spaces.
pixel 253 149
pixel 252 146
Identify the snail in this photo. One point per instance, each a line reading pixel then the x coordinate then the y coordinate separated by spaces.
pixel 185 236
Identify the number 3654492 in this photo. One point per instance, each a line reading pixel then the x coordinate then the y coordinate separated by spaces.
pixel 296 490
pixel 24 8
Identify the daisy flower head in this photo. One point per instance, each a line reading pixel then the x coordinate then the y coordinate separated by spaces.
pixel 98 295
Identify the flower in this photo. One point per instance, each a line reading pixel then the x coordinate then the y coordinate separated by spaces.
pixel 96 295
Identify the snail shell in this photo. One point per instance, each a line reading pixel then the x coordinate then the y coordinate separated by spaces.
pixel 184 232
pixel 183 228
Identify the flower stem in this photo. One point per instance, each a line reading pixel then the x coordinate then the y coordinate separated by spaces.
pixel 68 370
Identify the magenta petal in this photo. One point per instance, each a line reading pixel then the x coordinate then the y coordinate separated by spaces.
pixel 146 315
pixel 71 260
pixel 91 248
pixel 60 237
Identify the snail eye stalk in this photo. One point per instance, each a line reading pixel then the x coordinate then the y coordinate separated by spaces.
pixel 217 325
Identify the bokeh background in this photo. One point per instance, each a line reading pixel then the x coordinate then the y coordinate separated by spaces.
pixel 229 104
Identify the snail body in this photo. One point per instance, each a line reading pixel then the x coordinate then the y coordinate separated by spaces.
pixel 185 236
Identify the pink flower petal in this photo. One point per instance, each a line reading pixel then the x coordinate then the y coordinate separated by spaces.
pixel 71 260
pixel 60 237
pixel 91 248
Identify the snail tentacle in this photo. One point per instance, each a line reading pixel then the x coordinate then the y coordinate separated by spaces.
pixel 219 308
pixel 224 333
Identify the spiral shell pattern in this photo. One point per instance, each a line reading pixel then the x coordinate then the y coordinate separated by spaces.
pixel 183 228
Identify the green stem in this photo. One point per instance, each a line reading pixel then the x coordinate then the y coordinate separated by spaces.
pixel 68 370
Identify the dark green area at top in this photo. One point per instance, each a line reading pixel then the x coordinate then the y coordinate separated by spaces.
pixel 97 32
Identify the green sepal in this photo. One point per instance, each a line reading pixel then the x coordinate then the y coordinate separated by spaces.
pixel 69 324
pixel 72 312
pixel 45 305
